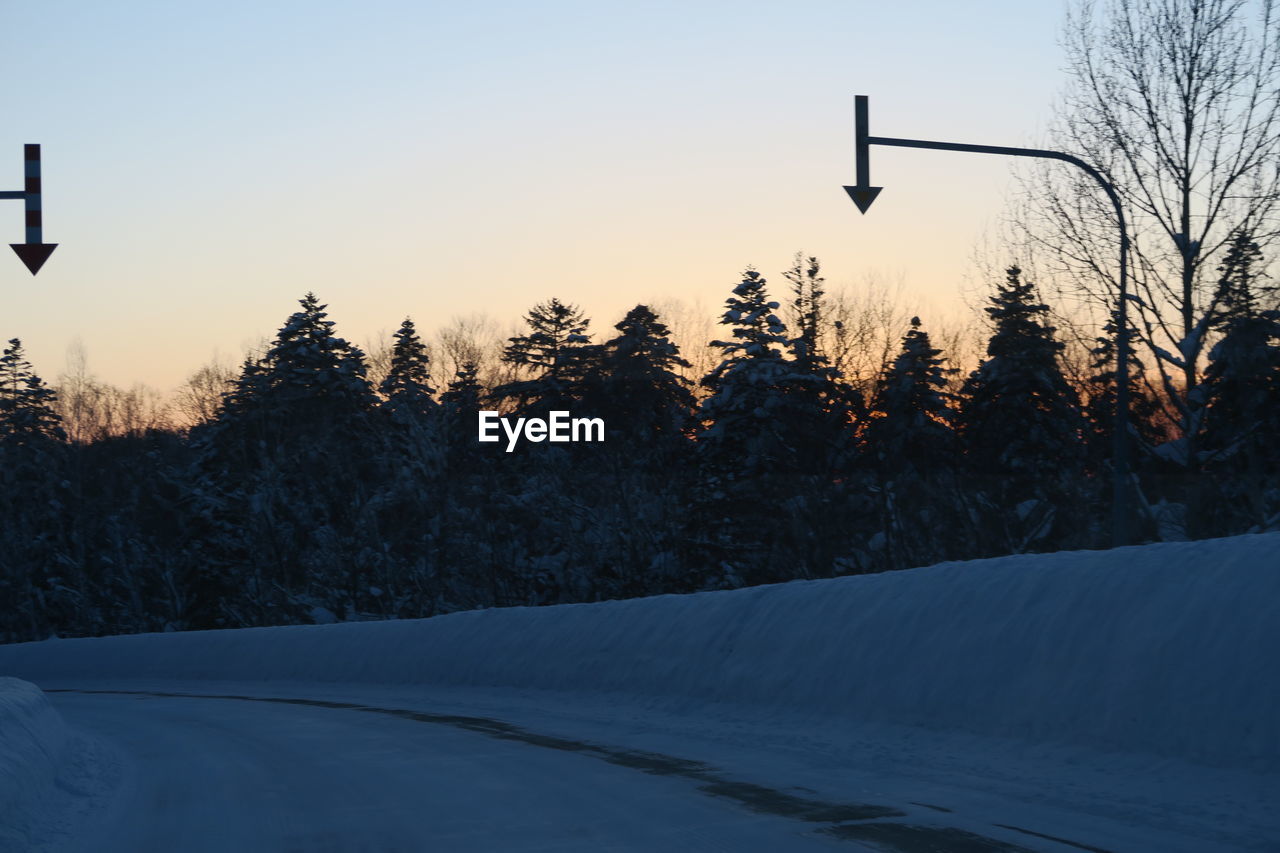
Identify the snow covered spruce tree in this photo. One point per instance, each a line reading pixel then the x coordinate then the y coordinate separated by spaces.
pixel 459 403
pixel 309 387
pixel 744 412
pixel 472 536
pixel 27 413
pixel 1148 423
pixel 638 391
pixel 1021 429
pixel 911 454
pixel 34 596
pixel 1240 417
pixel 296 449
pixel 822 414
pixel 553 358
pixel 409 498
pixel 807 307
pixel 755 462
pixel 825 407
pixel 406 389
pixel 636 481
pixel 95 533
pixel 531 556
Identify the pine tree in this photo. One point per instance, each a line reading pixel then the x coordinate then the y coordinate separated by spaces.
pixel 1145 414
pixel 27 414
pixel 909 453
pixel 310 367
pixel 910 430
pixel 407 387
pixel 1020 422
pixel 408 500
pixel 635 387
pixel 298 461
pixel 807 311
pixel 459 405
pixel 464 393
pixel 34 596
pixel 822 409
pixel 241 402
pixel 1241 416
pixel 310 383
pixel 1242 284
pixel 751 458
pixel 556 354
pixel 636 482
pixel 740 414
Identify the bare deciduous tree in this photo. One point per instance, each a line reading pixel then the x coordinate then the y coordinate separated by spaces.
pixel 377 357
pixel 474 339
pixel 199 398
pixel 1178 102
pixel 92 410
pixel 865 329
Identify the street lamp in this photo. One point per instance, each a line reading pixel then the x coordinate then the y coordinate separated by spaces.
pixel 863 194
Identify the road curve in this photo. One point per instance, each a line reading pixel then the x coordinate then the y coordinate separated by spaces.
pixel 238 773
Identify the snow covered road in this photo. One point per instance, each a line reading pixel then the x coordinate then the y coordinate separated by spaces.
pixel 328 768
pixel 244 774
pixel 1119 701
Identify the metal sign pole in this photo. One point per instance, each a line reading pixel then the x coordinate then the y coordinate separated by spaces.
pixel 863 194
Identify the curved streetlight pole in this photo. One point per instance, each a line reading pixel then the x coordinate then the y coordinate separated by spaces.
pixel 863 194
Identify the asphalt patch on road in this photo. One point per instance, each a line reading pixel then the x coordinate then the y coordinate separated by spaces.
pixel 921 839
pixel 1074 844
pixel 861 822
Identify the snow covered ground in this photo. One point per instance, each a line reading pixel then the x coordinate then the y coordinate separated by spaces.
pixel 33 740
pixel 1124 700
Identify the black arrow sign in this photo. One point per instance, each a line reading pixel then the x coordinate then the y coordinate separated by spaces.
pixel 862 194
pixel 34 252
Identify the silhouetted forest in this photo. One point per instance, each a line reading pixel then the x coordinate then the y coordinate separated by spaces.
pixel 304 491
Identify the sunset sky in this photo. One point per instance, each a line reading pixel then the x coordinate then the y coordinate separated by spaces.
pixel 207 164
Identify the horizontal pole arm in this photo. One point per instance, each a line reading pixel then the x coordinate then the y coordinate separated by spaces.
pixel 976 149
pixel 12 194
pixel 1005 150
pixel 1009 152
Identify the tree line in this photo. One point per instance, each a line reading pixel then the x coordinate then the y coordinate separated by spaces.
pixel 312 493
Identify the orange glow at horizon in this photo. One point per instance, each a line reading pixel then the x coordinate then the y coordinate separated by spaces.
pixel 396 158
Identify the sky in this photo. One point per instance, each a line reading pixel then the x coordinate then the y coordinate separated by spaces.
pixel 206 164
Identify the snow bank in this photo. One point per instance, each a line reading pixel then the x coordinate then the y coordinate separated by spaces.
pixel 32 740
pixel 1167 649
